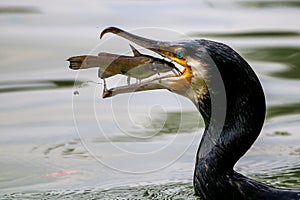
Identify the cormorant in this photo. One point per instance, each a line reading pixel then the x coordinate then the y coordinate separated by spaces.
pixel 230 98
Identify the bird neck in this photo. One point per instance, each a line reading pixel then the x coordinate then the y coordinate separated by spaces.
pixel 233 114
pixel 228 140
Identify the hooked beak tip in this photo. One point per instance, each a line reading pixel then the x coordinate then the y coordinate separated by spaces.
pixel 112 29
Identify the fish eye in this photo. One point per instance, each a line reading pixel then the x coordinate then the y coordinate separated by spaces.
pixel 179 53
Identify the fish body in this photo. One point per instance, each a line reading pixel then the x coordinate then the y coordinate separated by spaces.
pixel 139 66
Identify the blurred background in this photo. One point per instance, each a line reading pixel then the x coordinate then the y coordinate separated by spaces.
pixel 60 139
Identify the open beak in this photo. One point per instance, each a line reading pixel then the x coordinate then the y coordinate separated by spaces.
pixel 179 84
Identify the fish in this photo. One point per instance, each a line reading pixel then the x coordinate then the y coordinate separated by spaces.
pixel 139 66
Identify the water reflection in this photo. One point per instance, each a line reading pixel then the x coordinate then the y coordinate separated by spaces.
pixel 29 85
pixel 68 149
pixel 268 4
pixel 18 10
pixel 249 33
pixel 288 56
pixel 282 110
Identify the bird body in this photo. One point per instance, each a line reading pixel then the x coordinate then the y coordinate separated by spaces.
pixel 230 98
pixel 245 113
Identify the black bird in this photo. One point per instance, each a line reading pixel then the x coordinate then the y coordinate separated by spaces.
pixel 230 98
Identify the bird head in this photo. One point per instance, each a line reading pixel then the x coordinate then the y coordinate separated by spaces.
pixel 191 82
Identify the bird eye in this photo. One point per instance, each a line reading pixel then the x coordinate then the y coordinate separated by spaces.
pixel 179 53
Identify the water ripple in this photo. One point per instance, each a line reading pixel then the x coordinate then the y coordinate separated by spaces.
pixel 174 191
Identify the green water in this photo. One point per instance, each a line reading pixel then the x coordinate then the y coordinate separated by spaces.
pixel 63 141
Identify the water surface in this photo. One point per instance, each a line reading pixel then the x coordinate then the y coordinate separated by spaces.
pixel 60 141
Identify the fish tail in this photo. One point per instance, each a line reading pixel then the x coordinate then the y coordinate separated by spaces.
pixel 82 62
